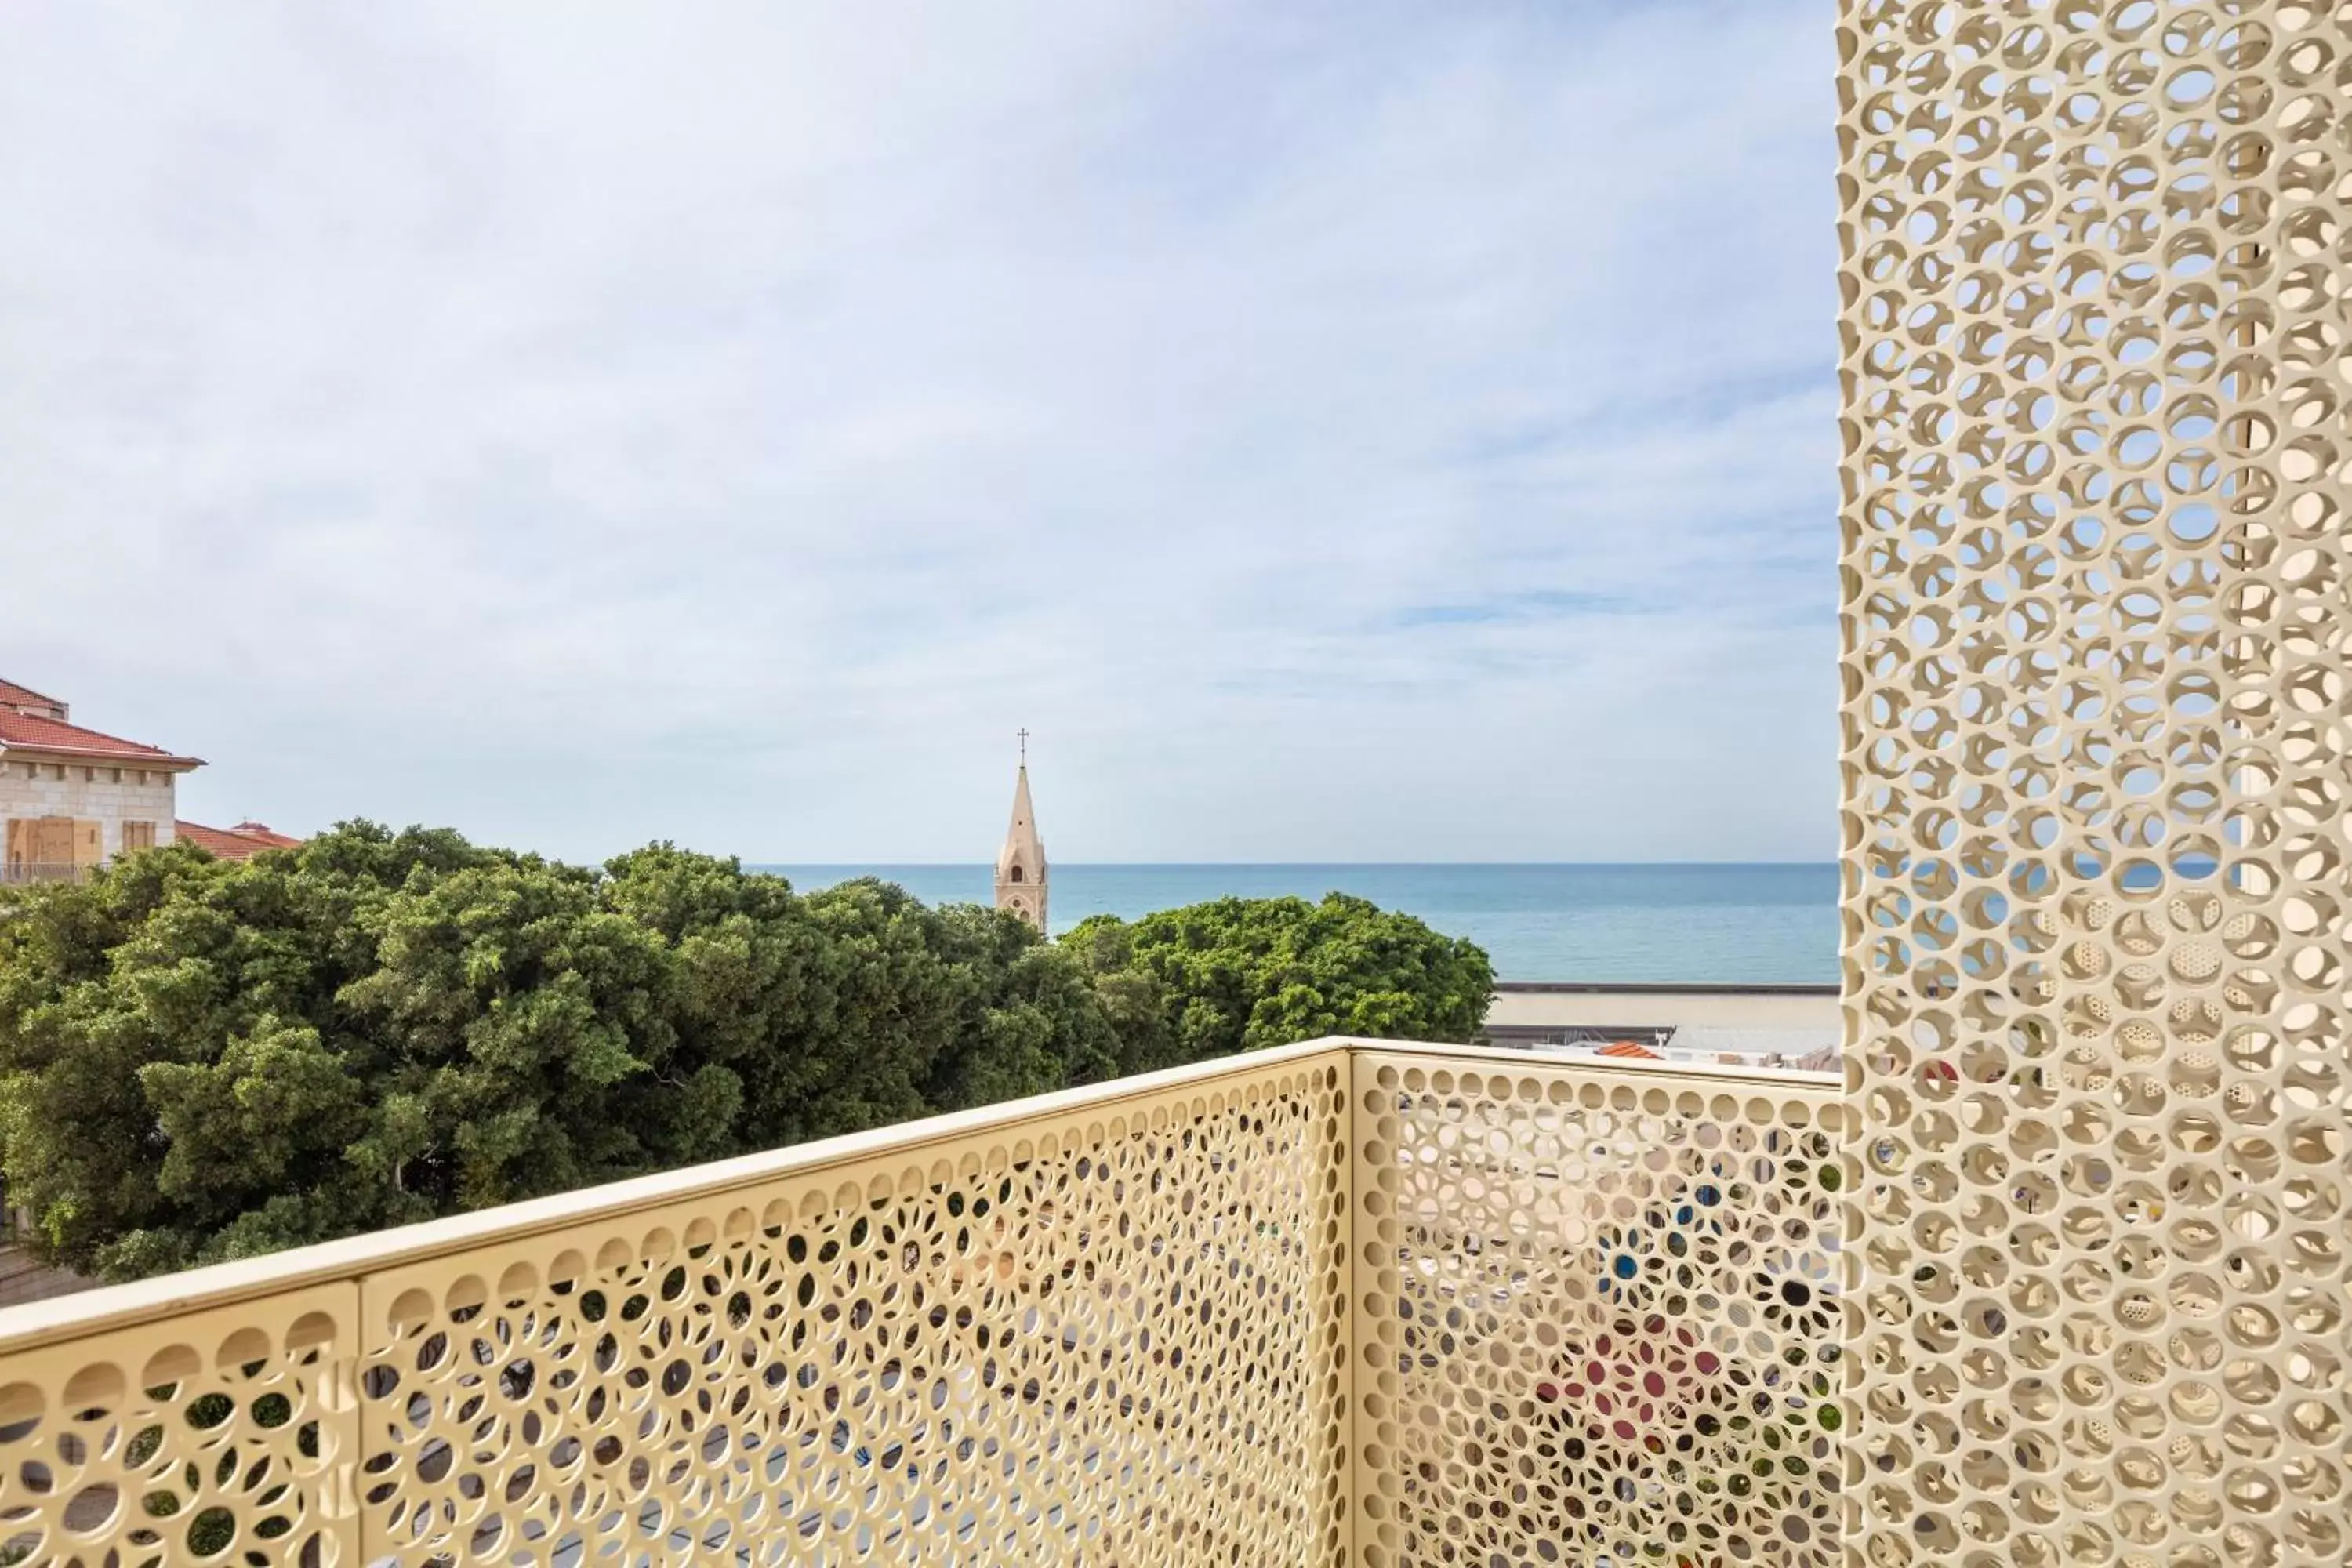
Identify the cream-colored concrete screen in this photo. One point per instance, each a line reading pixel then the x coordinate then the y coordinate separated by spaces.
pixel 214 1436
pixel 1110 1338
pixel 1337 1303
pixel 2095 382
pixel 1596 1315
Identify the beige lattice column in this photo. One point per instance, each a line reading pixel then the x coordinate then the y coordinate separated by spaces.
pixel 2094 379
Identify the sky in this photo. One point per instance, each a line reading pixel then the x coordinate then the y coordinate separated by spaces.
pixel 1337 431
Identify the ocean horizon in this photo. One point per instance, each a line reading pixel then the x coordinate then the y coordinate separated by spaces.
pixel 1665 922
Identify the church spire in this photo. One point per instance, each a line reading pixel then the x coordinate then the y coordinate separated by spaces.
pixel 1021 864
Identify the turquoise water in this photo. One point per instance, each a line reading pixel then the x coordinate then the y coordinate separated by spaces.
pixel 1726 924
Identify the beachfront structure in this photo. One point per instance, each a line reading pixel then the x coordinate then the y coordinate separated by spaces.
pixel 2055 1275
pixel 73 799
pixel 1021 862
pixel 1740 1025
pixel 1680 1022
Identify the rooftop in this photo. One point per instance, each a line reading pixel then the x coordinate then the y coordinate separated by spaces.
pixel 23 699
pixel 1793 1023
pixel 22 731
pixel 242 842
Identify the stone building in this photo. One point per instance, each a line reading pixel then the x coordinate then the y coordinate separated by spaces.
pixel 1021 864
pixel 71 798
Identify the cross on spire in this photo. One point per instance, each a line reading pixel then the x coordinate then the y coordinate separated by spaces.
pixel 1024 747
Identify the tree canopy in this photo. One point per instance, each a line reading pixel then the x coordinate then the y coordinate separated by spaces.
pixel 1236 974
pixel 203 1059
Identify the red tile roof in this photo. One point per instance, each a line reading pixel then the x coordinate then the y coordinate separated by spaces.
pixel 29 732
pixel 227 845
pixel 15 696
pixel 1628 1050
pixel 242 842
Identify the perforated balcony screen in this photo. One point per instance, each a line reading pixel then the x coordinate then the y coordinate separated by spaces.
pixel 1596 1315
pixel 2094 383
pixel 1111 1336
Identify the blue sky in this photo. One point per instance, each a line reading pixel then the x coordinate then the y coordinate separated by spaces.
pixel 1348 431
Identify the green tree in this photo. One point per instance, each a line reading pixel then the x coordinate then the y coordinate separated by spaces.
pixel 1242 973
pixel 202 1059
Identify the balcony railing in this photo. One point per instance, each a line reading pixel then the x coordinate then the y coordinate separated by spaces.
pixel 17 873
pixel 1342 1303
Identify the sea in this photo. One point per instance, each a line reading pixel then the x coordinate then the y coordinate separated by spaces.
pixel 1719 924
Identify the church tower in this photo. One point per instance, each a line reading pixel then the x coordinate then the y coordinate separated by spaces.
pixel 1021 864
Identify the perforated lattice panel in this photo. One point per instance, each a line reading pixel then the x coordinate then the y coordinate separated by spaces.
pixel 2095 567
pixel 1596 1314
pixel 214 1438
pixel 1115 1339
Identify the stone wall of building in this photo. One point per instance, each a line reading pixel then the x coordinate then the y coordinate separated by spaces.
pixel 97 792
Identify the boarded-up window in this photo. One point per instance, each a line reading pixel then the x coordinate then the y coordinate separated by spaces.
pixel 138 836
pixel 88 843
pixel 41 841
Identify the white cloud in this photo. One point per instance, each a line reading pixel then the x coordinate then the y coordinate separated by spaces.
pixel 729 421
